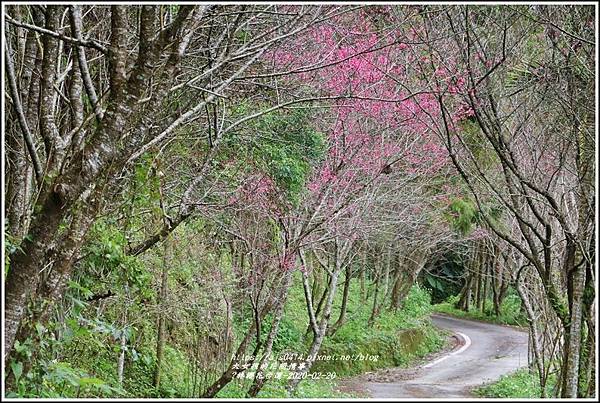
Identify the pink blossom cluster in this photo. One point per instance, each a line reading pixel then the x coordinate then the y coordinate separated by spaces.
pixel 287 261
pixel 375 120
pixel 258 191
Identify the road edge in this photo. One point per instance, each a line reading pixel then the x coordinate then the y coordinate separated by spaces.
pixel 523 329
pixel 463 346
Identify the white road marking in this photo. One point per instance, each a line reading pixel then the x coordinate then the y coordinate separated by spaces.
pixel 465 346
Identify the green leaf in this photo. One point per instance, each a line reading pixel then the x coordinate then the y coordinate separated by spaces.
pixel 147 359
pixel 87 381
pixel 17 369
pixel 39 328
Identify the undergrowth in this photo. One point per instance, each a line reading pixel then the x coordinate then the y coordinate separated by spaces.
pixel 522 383
pixel 510 311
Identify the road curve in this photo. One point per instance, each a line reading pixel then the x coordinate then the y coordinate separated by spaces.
pixel 493 351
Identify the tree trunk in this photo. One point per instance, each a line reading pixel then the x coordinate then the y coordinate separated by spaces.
pixel 374 307
pixel 419 260
pixel 121 362
pixel 477 298
pixel 363 275
pixel 572 331
pixel 497 283
pixel 320 304
pixel 396 289
pixel 22 278
pixel 386 278
pixel 160 332
pixel 533 333
pixel 318 339
pixel 234 366
pixel 123 342
pixel 16 201
pixel 590 320
pixel 342 318
pixel 486 281
pixel 465 294
pixel 259 378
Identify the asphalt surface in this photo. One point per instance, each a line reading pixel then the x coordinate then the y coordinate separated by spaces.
pixel 486 352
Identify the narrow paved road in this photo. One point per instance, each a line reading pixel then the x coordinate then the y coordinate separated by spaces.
pixel 487 352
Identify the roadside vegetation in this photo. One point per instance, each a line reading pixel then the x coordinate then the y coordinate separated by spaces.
pixel 524 384
pixel 88 368
pixel 511 312
pixel 394 339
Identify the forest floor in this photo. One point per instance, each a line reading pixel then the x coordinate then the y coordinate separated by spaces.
pixel 490 352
